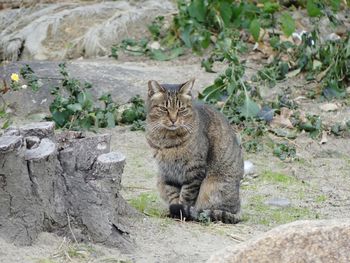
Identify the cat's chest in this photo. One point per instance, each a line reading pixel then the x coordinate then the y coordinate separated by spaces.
pixel 172 164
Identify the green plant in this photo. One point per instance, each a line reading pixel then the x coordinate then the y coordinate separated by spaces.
pixel 277 177
pixel 284 151
pixel 148 203
pixel 74 107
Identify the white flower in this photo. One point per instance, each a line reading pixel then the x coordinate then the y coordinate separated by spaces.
pixel 24 86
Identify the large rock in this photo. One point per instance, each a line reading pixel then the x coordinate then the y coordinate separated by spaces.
pixel 122 80
pixel 67 30
pixel 301 241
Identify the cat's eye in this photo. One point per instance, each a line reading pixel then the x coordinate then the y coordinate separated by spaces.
pixel 182 109
pixel 162 108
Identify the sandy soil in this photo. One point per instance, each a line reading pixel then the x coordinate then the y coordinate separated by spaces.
pixel 322 171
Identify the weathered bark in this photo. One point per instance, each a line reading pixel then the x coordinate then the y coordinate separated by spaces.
pixel 66 183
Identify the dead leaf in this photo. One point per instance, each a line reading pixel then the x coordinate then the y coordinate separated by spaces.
pixel 4 88
pixel 316 64
pixel 302 117
pixel 329 107
pixel 324 137
pixel 322 74
pixel 282 120
pixel 293 73
pixel 284 38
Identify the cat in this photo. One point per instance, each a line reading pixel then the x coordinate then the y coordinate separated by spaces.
pixel 199 157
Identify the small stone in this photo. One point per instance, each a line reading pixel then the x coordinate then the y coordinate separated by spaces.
pixel 249 168
pixel 279 202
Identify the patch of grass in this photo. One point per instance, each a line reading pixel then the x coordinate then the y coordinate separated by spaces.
pixel 70 252
pixel 250 187
pixel 277 177
pixel 257 212
pixel 149 204
pixel 321 198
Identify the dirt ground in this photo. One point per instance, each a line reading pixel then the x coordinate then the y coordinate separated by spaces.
pixel 316 185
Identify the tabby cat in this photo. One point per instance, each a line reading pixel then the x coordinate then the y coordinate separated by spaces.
pixel 199 158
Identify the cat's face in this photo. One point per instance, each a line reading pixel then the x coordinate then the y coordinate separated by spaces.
pixel 170 107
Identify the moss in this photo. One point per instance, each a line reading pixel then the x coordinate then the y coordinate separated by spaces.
pixel 320 198
pixel 277 177
pixel 257 212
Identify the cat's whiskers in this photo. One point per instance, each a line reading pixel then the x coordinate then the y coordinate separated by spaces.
pixel 156 127
pixel 187 127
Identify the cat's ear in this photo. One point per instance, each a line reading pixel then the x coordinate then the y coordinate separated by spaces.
pixel 154 87
pixel 186 88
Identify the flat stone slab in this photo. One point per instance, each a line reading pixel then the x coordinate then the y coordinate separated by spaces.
pixel 121 80
pixel 10 143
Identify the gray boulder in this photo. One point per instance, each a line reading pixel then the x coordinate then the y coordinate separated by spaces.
pixel 66 29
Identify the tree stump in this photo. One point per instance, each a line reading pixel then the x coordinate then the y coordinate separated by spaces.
pixel 66 183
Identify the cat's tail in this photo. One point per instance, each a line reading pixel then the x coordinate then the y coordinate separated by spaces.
pixel 185 212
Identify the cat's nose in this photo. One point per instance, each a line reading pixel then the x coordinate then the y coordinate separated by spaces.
pixel 173 118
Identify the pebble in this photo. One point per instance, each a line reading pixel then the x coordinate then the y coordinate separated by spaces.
pixel 279 202
pixel 249 168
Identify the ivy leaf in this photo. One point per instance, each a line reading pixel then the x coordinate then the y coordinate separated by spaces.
pixel 162 56
pixel 254 29
pixel 335 4
pixel 207 64
pixel 74 107
pixel 197 9
pixel 288 24
pixel 250 108
pixel 212 92
pixel 226 12
pixel 185 36
pixel 60 118
pixel 312 8
pixel 6 124
pixel 110 120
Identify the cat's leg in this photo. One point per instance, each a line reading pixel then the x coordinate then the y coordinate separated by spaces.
pixel 189 193
pixel 169 193
pixel 190 189
pixel 218 200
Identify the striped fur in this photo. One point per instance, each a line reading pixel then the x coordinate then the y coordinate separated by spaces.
pixel 199 158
